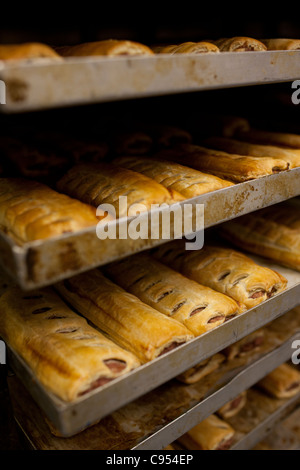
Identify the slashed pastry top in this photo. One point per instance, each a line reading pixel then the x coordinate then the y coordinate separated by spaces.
pixel 173 176
pixel 239 44
pixel 68 356
pixel 198 307
pixel 233 407
pixel 213 433
pixel 225 270
pixel 28 50
pixel 247 345
pixel 291 156
pixel 125 318
pixel 107 47
pixel 189 47
pixel 282 382
pixel 234 167
pixel 202 369
pixel 103 183
pixel 31 211
pixel 272 232
pixel 285 44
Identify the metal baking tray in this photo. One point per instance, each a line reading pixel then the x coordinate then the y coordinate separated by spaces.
pixel 70 419
pixel 157 418
pixel 43 84
pixel 44 262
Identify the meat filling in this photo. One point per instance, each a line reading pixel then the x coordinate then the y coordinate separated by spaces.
pixel 216 319
pixel 172 346
pixel 257 294
pixel 256 342
pixel 293 386
pixel 225 444
pixel 115 365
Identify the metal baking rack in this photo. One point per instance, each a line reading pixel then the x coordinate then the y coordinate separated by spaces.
pixel 47 83
pixel 74 417
pixel 45 262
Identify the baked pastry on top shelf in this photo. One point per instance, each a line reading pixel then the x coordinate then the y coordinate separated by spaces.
pixel 28 50
pixel 240 44
pixel 281 44
pixel 106 47
pixel 173 176
pixel 104 183
pixel 30 210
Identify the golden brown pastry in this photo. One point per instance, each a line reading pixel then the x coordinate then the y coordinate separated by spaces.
pixel 279 44
pixel 188 48
pixel 258 136
pixel 31 211
pixel 126 319
pixel 282 382
pixel 104 183
pixel 29 50
pixel 107 47
pixel 224 270
pixel 233 407
pixel 290 156
pixel 233 167
pixel 213 433
pixel 273 232
pixel 69 357
pixel 239 44
pixel 199 308
pixel 249 344
pixel 201 370
pixel 173 176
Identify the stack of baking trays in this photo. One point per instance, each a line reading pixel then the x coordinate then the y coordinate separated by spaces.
pixel 139 342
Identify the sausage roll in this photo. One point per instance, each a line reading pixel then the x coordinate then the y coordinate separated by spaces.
pixel 67 356
pixel 282 382
pixel 107 47
pixel 290 156
pixel 182 179
pixel 249 344
pixel 213 433
pixel 126 319
pixel 199 308
pixel 239 44
pixel 31 211
pixel 273 232
pixel 188 48
pixel 280 44
pixel 30 50
pixel 232 407
pixel 258 136
pixel 224 270
pixel 233 167
pixel 201 370
pixel 103 183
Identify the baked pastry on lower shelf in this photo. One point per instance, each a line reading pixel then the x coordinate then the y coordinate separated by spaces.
pixel 173 176
pixel 249 344
pixel 281 44
pixel 213 433
pixel 201 370
pixel 226 165
pixel 28 50
pixel 224 270
pixel 239 44
pixel 282 382
pixel 69 357
pixel 199 308
pixel 234 146
pixel 233 407
pixel 126 319
pixel 273 232
pixel 31 211
pixel 258 136
pixel 104 183
pixel 107 47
